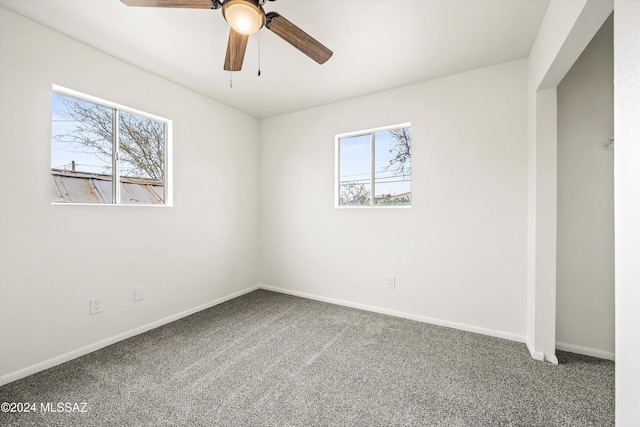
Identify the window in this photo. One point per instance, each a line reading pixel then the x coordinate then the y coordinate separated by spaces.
pixel 104 153
pixel 374 162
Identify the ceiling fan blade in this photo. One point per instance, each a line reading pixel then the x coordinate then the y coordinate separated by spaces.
pixel 235 50
pixel 297 38
pixel 190 4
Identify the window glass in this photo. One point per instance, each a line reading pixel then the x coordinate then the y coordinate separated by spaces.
pixel 375 162
pixel 393 167
pixel 86 155
pixel 81 151
pixel 142 159
pixel 355 170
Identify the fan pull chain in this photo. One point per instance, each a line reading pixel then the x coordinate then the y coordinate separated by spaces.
pixel 259 45
pixel 231 79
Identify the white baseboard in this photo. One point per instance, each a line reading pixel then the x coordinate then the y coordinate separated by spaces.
pixel 401 314
pixel 587 351
pixel 58 360
pixel 551 359
pixel 572 348
pixel 536 355
pixel 46 364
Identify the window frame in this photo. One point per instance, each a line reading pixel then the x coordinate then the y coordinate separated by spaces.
pixel 117 108
pixel 372 162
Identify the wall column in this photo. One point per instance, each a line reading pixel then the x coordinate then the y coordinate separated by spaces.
pixel 566 30
pixel 542 221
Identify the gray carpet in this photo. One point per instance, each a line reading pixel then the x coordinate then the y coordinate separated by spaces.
pixel 267 359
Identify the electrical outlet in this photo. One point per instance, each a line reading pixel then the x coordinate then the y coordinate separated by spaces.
pixel 391 282
pixel 138 294
pixel 95 305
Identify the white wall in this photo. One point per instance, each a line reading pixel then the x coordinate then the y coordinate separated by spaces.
pixel 627 209
pixel 585 282
pixel 459 254
pixel 54 258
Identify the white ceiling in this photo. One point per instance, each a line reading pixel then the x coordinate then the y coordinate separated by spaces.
pixel 377 44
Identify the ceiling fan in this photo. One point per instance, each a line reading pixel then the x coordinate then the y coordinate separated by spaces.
pixel 246 17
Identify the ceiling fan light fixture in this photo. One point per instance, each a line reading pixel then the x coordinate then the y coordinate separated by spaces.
pixel 244 16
